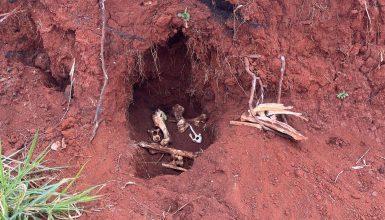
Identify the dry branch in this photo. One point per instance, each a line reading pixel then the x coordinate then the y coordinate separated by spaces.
pixel 270 109
pixel 170 166
pixel 281 127
pixel 72 81
pixel 104 69
pixel 367 13
pixel 167 150
pixel 246 124
pixel 268 123
pixel 283 67
pixel 264 116
pixel 253 85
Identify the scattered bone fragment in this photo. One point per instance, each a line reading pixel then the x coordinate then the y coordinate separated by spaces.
pixel 182 124
pixel 159 118
pixel 155 135
pixel 197 138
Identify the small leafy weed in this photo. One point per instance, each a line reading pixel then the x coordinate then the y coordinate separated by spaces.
pixel 342 95
pixel 184 15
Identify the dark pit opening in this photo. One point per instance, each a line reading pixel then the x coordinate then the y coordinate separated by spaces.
pixel 167 81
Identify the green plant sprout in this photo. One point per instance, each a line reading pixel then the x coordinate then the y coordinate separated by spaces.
pixel 185 16
pixel 342 95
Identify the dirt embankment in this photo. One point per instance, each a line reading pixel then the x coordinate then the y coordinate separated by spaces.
pixel 153 62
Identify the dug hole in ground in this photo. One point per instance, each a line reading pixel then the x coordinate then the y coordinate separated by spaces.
pixel 157 57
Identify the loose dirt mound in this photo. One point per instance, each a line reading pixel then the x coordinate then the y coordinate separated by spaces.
pixel 153 62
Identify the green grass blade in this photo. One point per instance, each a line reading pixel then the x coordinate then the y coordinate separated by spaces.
pixel 32 148
pixel 2 178
pixel 27 192
pixel 75 178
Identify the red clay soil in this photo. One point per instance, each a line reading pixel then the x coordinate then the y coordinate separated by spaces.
pixel 153 61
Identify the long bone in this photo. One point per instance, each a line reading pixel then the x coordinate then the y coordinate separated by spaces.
pixel 159 118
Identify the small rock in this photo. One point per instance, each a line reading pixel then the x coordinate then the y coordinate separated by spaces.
pixel 49 130
pixel 55 146
pixel 68 123
pixel 355 196
pixel 69 133
pixel 374 194
pixel 163 20
pixel 32 131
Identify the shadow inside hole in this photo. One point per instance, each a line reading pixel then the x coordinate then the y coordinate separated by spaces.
pixel 167 82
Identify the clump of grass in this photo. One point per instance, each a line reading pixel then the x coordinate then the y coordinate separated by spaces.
pixel 28 192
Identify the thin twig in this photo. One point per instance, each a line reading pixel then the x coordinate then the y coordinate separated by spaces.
pixel 362 156
pixel 72 81
pixel 367 13
pixel 253 85
pixel 180 208
pixel 170 166
pixel 283 66
pixel 146 207
pixel 234 18
pixel 104 69
pixel 338 175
